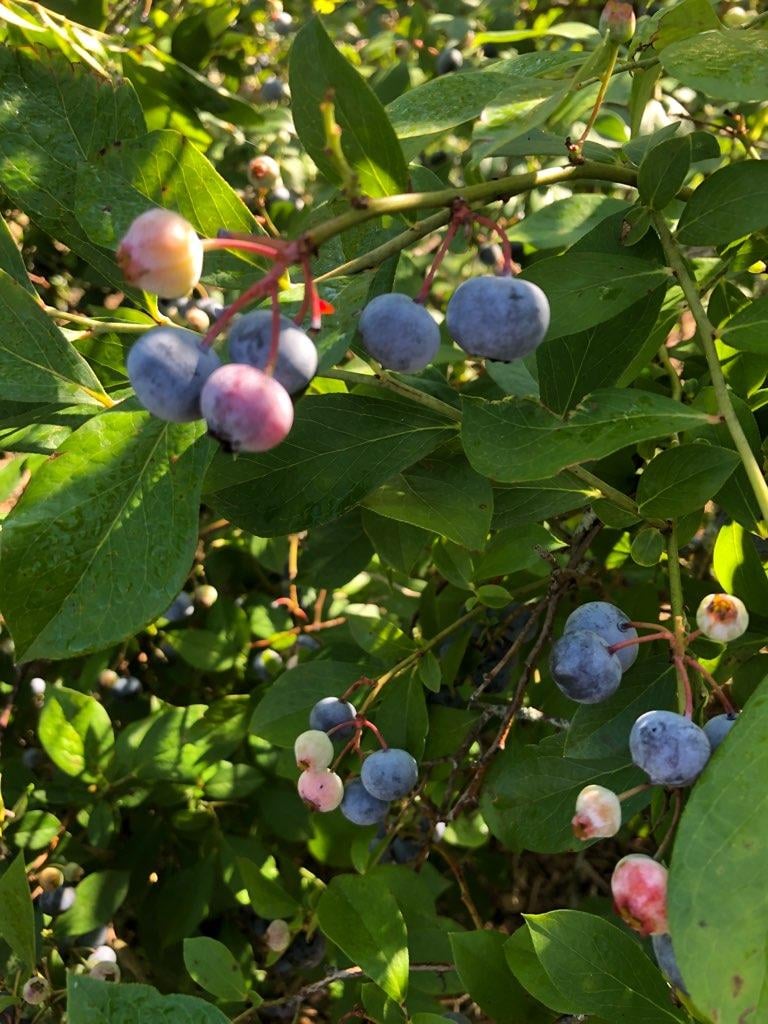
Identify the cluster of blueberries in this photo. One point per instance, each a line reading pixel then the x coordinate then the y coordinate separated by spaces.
pixel 587 663
pixel 386 775
pixel 247 403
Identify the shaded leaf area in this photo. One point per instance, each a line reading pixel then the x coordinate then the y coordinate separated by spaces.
pixel 341 448
pixel 55 117
pixel 84 531
pixel 517 439
pixel 94 1002
pixel 317 71
pixel 721 848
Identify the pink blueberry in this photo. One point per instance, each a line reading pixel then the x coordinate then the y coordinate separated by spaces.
pixel 639 888
pixel 245 409
pixel 598 813
pixel 161 253
pixel 321 791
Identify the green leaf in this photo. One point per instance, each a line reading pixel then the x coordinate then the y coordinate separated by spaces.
pixel 663 172
pixel 685 19
pixel 17 919
pixel 600 968
pixel 397 544
pixel 537 500
pixel 726 65
pixel 11 261
pixel 56 116
pixel 529 798
pixel 361 917
pixel 485 974
pixel 283 712
pixel 683 478
pixel 213 967
pixel 729 204
pixel 37 363
pixel 440 494
pixel 94 1002
pixel 600 731
pixel 119 481
pixel 572 366
pixel 99 896
pixel 721 848
pixel 268 897
pixel 565 221
pixel 527 968
pixel 76 733
pixel 737 567
pixel 588 288
pixel 517 439
pixel 443 103
pixel 35 830
pixel 341 448
pixel 402 714
pixel 747 331
pixel 515 550
pixel 647 546
pixel 367 138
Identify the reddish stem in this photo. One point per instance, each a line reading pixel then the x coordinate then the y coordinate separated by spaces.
pixel 634 640
pixel 243 243
pixel 257 291
pixel 349 746
pixel 506 246
pixel 693 636
pixel 682 674
pixel 440 255
pixel 369 725
pixel 357 685
pixel 722 696
pixel 315 322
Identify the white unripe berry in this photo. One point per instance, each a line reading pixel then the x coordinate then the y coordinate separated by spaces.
pixel 313 750
pixel 598 813
pixel 722 617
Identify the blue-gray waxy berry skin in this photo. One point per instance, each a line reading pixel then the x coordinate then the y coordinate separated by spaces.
pixel 399 332
pixel 449 59
pixel 717 729
pixel 500 318
pixel 669 747
pixel 167 367
pixel 330 712
pixel 359 807
pixel 389 774
pixel 607 621
pixel 250 341
pixel 583 668
pixel 665 958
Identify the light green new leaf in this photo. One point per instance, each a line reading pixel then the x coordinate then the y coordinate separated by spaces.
pixel 737 567
pixel 361 917
pixel 99 896
pixel 76 733
pixel 747 331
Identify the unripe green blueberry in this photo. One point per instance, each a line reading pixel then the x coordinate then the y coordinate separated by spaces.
pixel 639 888
pixel 206 595
pixel 735 17
pixel 36 991
pixel 278 935
pixel 264 172
pixel 722 617
pixel 313 750
pixel 618 20
pixel 321 791
pixel 50 878
pixel 598 813
pixel 161 253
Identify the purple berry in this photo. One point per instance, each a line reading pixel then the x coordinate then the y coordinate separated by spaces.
pixel 399 332
pixel 250 341
pixel 245 409
pixel 583 667
pixel 167 368
pixel 610 623
pixel 500 318
pixel 359 807
pixel 389 774
pixel 669 747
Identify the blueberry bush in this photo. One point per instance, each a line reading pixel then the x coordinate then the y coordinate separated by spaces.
pixel 382 553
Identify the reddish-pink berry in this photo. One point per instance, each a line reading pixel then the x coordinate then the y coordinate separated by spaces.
pixel 618 20
pixel 639 887
pixel 321 791
pixel 722 617
pixel 161 253
pixel 598 813
pixel 264 172
pixel 245 409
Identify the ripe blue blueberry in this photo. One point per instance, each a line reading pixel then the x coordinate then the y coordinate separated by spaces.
pixel 500 318
pixel 665 958
pixel 399 332
pixel 389 774
pixel 330 712
pixel 449 59
pixel 127 686
pixel 273 90
pixel 57 901
pixel 583 667
pixel 250 341
pixel 491 255
pixel 669 747
pixel 610 623
pixel 359 807
pixel 717 729
pixel 181 608
pixel 168 367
